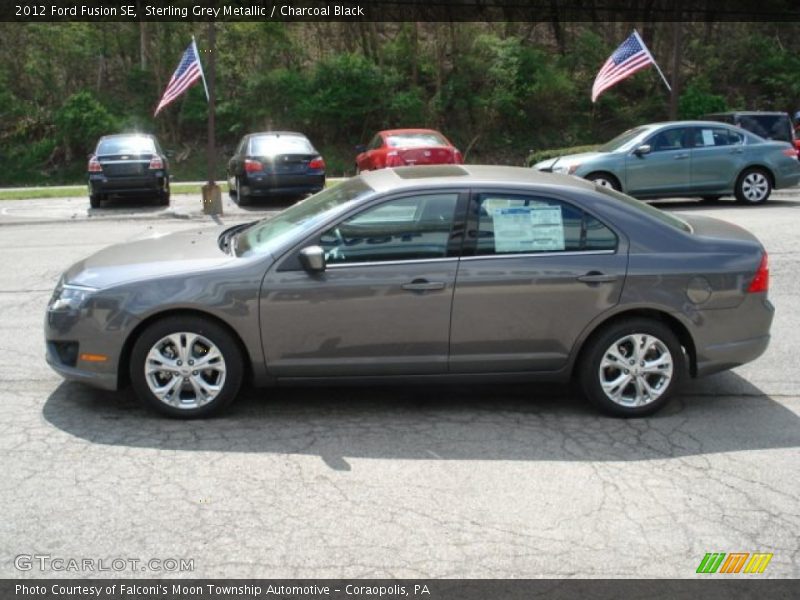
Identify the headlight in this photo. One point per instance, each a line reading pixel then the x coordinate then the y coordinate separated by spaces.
pixel 70 297
pixel 566 169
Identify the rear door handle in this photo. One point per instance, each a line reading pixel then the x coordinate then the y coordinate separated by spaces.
pixel 737 151
pixel 423 285
pixel 595 277
pixel 681 156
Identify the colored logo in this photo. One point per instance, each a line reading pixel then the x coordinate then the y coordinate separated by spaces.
pixel 735 562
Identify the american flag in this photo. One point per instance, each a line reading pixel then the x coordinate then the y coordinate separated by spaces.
pixel 631 56
pixel 188 72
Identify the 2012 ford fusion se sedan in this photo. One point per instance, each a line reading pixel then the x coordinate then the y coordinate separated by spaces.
pixel 686 158
pixel 423 274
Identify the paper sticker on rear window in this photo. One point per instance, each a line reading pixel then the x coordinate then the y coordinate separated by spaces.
pixel 528 229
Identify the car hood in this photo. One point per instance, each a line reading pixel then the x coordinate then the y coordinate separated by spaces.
pixel 183 253
pixel 568 160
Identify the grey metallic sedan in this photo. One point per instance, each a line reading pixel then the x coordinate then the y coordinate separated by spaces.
pixel 686 158
pixel 423 274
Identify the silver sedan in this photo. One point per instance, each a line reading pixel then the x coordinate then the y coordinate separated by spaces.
pixel 421 274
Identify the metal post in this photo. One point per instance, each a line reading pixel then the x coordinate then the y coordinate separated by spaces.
pixel 212 197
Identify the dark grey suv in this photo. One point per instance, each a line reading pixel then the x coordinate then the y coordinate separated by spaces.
pixel 441 273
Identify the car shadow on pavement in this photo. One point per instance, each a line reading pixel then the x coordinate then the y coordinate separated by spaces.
pixel 724 413
pixel 689 204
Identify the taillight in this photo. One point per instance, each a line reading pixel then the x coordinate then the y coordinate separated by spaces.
pixel 790 152
pixel 457 158
pixel 317 163
pixel 156 163
pixel 760 281
pixel 94 165
pixel 393 159
pixel 252 166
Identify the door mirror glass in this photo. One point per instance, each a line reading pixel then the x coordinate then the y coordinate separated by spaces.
pixel 642 150
pixel 313 259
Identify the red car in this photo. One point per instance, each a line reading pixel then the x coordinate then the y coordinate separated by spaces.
pixel 402 147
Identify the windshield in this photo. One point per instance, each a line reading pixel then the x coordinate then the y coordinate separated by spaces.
pixel 135 144
pixel 622 140
pixel 662 216
pixel 284 144
pixel 269 234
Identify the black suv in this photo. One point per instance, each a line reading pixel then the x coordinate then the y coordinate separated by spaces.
pixel 128 164
pixel 769 125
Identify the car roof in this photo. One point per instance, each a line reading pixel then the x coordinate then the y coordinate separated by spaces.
pixel 753 113
pixel 400 178
pixel 400 131
pixel 124 135
pixel 276 133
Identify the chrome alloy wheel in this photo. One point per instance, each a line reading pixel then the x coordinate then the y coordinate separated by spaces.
pixel 185 370
pixel 755 186
pixel 636 370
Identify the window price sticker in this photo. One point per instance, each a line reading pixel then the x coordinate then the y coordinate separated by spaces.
pixel 528 229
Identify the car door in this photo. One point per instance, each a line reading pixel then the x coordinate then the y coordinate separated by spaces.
pixel 665 169
pixel 536 271
pixel 382 306
pixel 717 158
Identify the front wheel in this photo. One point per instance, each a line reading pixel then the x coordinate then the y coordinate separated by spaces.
pixel 631 368
pixel 753 187
pixel 605 180
pixel 186 367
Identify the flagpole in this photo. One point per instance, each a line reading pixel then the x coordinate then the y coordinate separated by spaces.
pixel 200 64
pixel 646 49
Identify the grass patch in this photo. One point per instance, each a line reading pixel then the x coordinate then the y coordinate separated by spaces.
pixel 81 190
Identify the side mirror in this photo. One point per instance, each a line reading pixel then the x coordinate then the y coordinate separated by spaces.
pixel 361 148
pixel 313 259
pixel 642 150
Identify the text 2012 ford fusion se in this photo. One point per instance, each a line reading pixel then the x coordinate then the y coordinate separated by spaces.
pixel 440 273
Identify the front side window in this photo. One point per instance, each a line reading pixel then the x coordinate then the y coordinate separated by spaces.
pixel 411 228
pixel 513 224
pixel 669 139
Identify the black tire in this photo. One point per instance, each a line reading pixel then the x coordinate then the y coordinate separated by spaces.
pixel 163 198
pixel 96 200
pixel 753 186
pixel 605 180
pixel 241 199
pixel 231 365
pixel 589 370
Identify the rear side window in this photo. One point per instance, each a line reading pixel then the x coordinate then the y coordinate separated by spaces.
pixel 516 224
pixel 280 144
pixel 706 137
pixel 664 217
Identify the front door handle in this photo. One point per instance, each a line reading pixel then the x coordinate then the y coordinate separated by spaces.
pixel 597 277
pixel 423 285
pixel 681 156
pixel 737 151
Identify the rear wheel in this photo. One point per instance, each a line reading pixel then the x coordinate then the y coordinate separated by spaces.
pixel 605 180
pixel 632 368
pixel 753 186
pixel 242 199
pixel 186 367
pixel 95 200
pixel 163 198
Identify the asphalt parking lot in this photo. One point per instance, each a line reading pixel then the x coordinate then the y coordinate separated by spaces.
pixel 480 481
